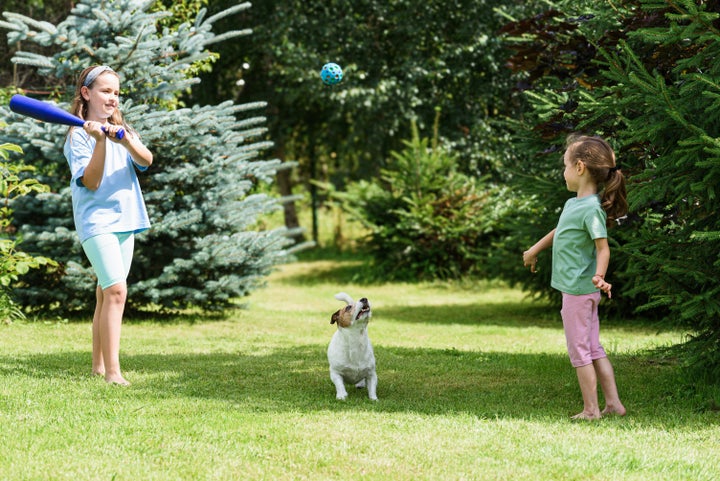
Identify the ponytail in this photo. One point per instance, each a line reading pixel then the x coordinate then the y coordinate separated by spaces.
pixel 614 197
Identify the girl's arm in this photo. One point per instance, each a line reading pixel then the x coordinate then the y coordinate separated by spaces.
pixel 602 257
pixel 92 178
pixel 96 167
pixel 530 255
pixel 139 153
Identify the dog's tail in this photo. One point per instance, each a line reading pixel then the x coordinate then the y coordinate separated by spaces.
pixel 344 297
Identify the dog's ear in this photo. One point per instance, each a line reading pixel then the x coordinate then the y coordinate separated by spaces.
pixel 341 296
pixel 343 318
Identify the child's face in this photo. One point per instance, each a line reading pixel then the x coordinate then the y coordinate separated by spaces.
pixel 102 97
pixel 571 173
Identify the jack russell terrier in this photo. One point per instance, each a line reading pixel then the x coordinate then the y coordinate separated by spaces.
pixel 350 353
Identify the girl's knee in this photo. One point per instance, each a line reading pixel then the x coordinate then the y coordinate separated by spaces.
pixel 115 293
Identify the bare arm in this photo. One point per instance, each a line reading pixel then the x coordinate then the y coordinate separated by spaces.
pixel 92 178
pixel 530 255
pixel 602 257
pixel 139 153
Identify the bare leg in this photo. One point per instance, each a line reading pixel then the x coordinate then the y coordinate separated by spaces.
pixel 588 386
pixel 98 364
pixel 110 322
pixel 606 375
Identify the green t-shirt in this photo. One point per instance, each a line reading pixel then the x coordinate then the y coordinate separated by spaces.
pixel 574 261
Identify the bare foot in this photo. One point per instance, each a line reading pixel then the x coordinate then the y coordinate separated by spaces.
pixel 98 372
pixel 616 410
pixel 583 416
pixel 119 380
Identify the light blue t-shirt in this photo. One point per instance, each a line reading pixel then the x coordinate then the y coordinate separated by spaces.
pixel 574 258
pixel 117 205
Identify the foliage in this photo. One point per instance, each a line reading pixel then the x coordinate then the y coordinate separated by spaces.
pixel 402 59
pixel 50 11
pixel 427 220
pixel 650 85
pixel 202 191
pixel 182 12
pixel 14 262
pixel 553 58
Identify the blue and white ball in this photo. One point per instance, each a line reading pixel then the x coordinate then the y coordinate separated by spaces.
pixel 331 74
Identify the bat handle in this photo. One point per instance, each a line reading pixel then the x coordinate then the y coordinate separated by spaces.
pixel 119 134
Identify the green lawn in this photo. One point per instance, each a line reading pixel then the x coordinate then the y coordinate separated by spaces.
pixel 474 383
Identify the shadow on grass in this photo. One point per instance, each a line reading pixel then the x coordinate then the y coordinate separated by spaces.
pixel 508 314
pixel 505 314
pixel 525 313
pixel 422 381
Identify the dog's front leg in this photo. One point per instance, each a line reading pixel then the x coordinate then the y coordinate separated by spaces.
pixel 337 379
pixel 372 381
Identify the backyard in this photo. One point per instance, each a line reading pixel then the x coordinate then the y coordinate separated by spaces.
pixel 474 383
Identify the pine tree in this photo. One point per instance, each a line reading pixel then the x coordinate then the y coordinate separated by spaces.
pixel 650 85
pixel 204 192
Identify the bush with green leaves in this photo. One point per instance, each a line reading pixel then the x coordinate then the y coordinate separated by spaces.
pixel 14 183
pixel 426 219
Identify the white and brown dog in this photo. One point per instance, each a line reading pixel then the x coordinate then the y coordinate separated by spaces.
pixel 350 352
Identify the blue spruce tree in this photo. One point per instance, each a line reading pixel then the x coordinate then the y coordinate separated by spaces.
pixel 204 192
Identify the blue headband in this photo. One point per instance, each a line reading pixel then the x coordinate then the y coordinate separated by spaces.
pixel 95 73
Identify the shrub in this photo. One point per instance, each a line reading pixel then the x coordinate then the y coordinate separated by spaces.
pixel 426 219
pixel 14 262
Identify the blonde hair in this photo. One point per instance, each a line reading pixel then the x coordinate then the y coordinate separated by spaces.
pixel 79 105
pixel 599 159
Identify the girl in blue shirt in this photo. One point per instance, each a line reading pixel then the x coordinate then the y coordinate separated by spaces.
pixel 580 260
pixel 108 206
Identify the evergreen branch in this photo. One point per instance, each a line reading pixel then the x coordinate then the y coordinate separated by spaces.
pixel 33 59
pixel 90 52
pixel 705 236
pixel 228 12
pixel 100 15
pixel 39 25
pixel 228 35
pixel 11 26
pixel 132 50
pixel 696 17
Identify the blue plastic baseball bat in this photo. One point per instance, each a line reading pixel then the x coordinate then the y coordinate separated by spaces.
pixel 47 112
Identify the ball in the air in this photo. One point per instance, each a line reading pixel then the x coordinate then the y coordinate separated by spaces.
pixel 331 74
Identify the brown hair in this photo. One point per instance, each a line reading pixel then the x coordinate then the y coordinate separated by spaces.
pixel 79 105
pixel 599 160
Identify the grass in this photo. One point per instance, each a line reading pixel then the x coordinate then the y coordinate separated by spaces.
pixel 474 383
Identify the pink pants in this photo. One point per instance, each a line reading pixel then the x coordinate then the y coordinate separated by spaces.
pixel 582 328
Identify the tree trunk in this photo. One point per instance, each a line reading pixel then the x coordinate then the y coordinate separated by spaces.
pixel 284 182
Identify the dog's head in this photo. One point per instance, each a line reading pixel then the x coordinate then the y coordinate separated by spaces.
pixel 354 311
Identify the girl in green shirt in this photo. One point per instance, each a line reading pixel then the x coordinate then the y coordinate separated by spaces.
pixel 581 255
